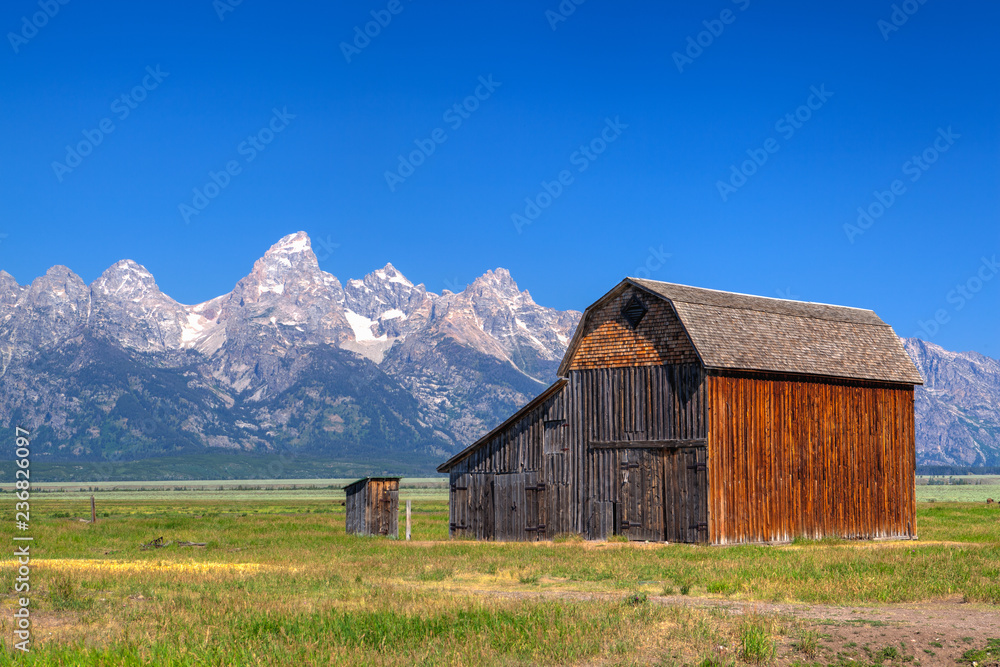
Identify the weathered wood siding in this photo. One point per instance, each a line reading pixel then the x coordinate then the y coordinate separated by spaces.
pixel 641 440
pixel 372 507
pixel 609 342
pixel 629 422
pixel 522 483
pixel 792 457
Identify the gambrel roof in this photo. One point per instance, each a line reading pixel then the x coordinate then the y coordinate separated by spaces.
pixel 738 332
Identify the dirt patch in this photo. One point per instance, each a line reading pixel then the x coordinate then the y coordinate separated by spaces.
pixel 926 633
pixel 46 626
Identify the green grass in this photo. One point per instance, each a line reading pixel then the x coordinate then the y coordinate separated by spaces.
pixel 258 490
pixel 222 465
pixel 280 582
pixel 972 489
pixel 756 645
pixel 241 529
pixel 807 642
pixel 989 652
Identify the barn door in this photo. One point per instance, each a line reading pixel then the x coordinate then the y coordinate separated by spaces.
pixel 471 512
pixel 556 477
pixel 686 475
pixel 640 503
pixel 519 506
pixel 481 514
pixel 535 509
pixel 458 506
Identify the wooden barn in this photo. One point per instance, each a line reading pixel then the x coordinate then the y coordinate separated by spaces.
pixel 373 506
pixel 693 415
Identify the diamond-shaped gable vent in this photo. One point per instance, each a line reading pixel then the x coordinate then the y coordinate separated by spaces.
pixel 633 312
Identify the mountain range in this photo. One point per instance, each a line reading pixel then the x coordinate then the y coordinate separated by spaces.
pixel 294 361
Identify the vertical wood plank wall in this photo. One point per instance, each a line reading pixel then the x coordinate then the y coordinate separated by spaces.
pixel 629 404
pixel 372 507
pixel 478 494
pixel 791 458
pixel 355 509
pixel 580 485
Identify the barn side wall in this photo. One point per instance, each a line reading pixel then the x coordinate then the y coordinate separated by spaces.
pixel 356 504
pixel 540 477
pixel 528 452
pixel 625 385
pixel 789 458
pixel 643 404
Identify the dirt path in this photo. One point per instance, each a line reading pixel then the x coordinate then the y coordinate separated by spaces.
pixel 926 633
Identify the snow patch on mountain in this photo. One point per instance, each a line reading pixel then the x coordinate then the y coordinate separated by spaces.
pixel 362 327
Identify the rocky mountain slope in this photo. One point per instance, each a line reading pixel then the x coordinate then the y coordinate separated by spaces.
pixel 958 408
pixel 294 360
pixel 290 359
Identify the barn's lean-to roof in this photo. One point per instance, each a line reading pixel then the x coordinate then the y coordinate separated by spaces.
pixel 751 333
pixel 531 405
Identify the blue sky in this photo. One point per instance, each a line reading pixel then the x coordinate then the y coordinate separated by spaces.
pixel 622 123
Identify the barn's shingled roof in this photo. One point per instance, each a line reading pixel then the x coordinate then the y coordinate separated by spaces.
pixel 751 333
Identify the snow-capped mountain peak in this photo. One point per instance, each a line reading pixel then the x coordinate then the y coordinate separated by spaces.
pixel 288 264
pixel 292 244
pixel 390 273
pixel 125 279
pixel 254 341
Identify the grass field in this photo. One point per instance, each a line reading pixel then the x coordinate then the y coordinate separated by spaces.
pixel 958 488
pixel 258 490
pixel 279 582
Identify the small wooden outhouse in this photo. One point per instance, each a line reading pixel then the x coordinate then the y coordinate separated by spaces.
pixel 373 506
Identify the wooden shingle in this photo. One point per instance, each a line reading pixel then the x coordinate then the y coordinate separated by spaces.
pixel 733 331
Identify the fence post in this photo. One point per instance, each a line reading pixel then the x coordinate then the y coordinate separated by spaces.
pixel 93 511
pixel 408 519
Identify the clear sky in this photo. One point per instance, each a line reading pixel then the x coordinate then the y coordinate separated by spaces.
pixel 721 144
